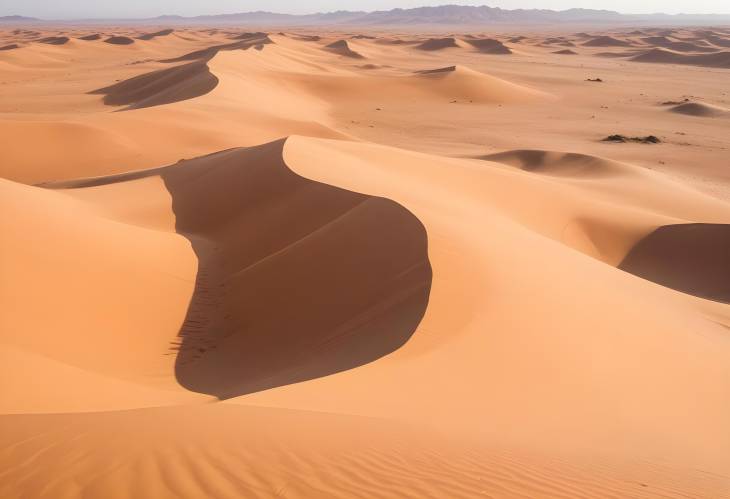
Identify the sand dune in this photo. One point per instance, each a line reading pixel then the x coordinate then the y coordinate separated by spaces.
pixel 92 37
pixel 489 46
pixel 10 46
pixel 606 41
pixel 699 109
pixel 341 47
pixel 565 52
pixel 663 41
pixel 163 86
pixel 438 44
pixel 55 40
pixel 150 36
pixel 227 349
pixel 716 60
pixel 425 276
pixel 119 40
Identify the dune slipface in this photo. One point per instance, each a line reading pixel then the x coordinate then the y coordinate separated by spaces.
pixel 437 44
pixel 692 258
pixel 489 46
pixel 266 239
pixel 54 40
pixel 119 40
pixel 150 36
pixel 341 47
pixel 160 87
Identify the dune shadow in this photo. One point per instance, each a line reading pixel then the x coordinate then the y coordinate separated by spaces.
pixel 297 279
pixel 163 86
pixel 692 258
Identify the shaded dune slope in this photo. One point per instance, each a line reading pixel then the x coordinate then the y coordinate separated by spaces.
pixel 119 40
pixel 606 41
pixel 296 280
pixel 150 36
pixel 716 60
pixel 437 44
pixel 159 87
pixel 55 40
pixel 679 46
pixel 558 164
pixel 489 46
pixel 341 47
pixel 692 258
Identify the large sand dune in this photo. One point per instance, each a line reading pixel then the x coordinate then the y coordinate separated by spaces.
pixel 281 272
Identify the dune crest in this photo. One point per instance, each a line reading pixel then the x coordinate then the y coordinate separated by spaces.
pixel 606 41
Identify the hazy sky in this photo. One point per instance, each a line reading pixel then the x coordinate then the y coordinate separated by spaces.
pixel 59 9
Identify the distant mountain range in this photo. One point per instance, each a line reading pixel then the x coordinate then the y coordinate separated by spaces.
pixel 442 15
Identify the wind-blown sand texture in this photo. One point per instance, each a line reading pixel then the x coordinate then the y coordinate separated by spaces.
pixel 246 264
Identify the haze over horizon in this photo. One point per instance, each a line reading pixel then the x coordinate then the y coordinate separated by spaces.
pixel 79 9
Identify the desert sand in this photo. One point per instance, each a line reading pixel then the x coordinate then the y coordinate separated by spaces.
pixel 317 263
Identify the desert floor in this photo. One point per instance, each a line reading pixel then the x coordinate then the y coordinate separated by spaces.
pixel 311 263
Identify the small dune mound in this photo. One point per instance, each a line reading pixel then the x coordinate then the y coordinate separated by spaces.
pixel 164 86
pixel 489 46
pixel 458 83
pixel 565 52
pixel 10 47
pixel 90 38
pixel 363 37
pixel 437 44
pixel 369 66
pixel 119 40
pixel 558 164
pixel 150 36
pixel 662 56
pixel 54 40
pixel 341 47
pixel 692 258
pixel 517 39
pixel 606 41
pixel 208 53
pixel 699 109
